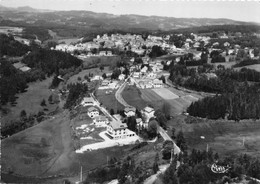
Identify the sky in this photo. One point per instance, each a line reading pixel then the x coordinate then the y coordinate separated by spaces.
pixel 242 10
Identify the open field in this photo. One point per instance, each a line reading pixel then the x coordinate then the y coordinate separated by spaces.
pixel 132 96
pixel 94 71
pixel 226 64
pixel 165 93
pixel 66 40
pixel 30 101
pixel 108 100
pixel 224 137
pixel 255 67
pixel 47 149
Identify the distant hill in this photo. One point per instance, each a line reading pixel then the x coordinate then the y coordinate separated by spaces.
pixel 80 23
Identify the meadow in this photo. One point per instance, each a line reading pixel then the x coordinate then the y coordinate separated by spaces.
pixel 30 101
pixel 224 137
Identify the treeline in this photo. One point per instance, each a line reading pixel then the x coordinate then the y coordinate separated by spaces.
pixel 10 47
pixel 203 79
pixel 242 103
pixel 12 81
pixel 50 61
pixel 76 92
pixel 30 32
pixel 247 62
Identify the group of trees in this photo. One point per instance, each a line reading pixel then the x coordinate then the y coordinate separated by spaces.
pixel 196 168
pixel 12 81
pixel 51 61
pixel 157 51
pixel 10 47
pixel 76 92
pixel 242 103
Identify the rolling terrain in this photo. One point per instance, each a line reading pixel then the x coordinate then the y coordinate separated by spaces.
pixel 80 23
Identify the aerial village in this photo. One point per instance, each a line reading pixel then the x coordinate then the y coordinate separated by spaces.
pixel 147 74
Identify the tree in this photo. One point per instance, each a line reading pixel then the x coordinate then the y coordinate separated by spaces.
pixel 50 99
pixel 23 114
pixel 167 151
pixel 155 164
pixel 112 112
pixel 254 169
pixel 43 103
pixel 101 68
pixel 166 109
pixel 104 75
pixel 181 142
pixel 152 128
pixel 184 173
pixel 169 176
pixel 131 123
pixel 173 133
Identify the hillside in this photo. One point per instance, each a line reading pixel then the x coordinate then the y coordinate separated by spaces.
pixel 79 23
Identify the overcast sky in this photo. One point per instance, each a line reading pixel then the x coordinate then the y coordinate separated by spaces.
pixel 237 10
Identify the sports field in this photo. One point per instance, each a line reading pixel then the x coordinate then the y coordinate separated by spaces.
pixel 165 93
pixel 157 97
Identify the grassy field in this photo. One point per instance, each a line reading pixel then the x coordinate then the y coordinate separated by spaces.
pixel 165 93
pixel 132 96
pixel 30 101
pixel 96 61
pixel 109 100
pixel 224 137
pixel 47 149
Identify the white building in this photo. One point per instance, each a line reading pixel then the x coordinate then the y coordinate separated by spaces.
pixel 118 130
pixel 130 111
pixel 148 113
pixel 157 83
pixel 88 101
pixel 93 112
pixel 100 121
pixel 121 77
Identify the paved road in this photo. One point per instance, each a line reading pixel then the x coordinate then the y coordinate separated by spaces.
pixel 165 136
pixel 119 91
pixel 151 179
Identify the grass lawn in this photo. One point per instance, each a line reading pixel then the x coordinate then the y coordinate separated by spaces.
pixel 132 96
pixel 224 137
pixel 30 101
pixel 109 100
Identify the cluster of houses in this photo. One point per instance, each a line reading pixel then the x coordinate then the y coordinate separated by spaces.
pixel 115 128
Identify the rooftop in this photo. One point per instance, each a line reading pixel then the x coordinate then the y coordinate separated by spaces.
pixel 91 109
pixel 128 109
pixel 148 109
pixel 115 124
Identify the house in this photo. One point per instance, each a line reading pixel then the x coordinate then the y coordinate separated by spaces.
pixel 136 74
pixel 93 112
pixel 139 122
pixel 96 77
pixel 25 68
pixel 157 83
pixel 100 121
pixel 144 69
pixel 105 82
pixel 152 75
pixel 88 101
pixel 148 113
pixel 118 130
pixel 121 77
pixel 129 111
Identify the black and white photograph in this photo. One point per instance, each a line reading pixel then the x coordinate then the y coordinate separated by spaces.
pixel 130 91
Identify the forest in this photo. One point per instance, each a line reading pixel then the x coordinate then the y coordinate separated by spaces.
pixel 10 47
pixel 50 61
pixel 237 92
